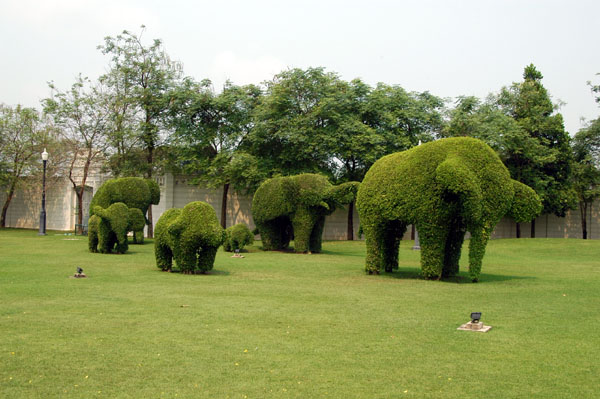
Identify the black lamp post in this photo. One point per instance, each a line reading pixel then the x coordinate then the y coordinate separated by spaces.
pixel 43 212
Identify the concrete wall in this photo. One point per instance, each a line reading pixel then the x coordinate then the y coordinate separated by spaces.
pixel 177 191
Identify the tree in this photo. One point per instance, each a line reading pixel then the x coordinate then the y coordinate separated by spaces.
pixel 520 124
pixel 22 135
pixel 586 169
pixel 145 74
pixel 367 124
pixel 293 131
pixel 82 115
pixel 211 132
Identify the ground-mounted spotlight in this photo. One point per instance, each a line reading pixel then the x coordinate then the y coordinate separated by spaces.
pixel 475 324
pixel 80 273
pixel 237 254
pixel 475 317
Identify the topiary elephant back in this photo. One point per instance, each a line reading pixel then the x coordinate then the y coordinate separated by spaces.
pixel 295 207
pixel 445 188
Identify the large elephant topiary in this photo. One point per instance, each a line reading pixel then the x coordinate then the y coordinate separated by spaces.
pixel 134 192
pixel 296 206
pixel 108 227
pixel 445 188
pixel 191 236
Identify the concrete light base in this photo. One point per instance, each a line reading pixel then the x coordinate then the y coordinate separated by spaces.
pixel 479 327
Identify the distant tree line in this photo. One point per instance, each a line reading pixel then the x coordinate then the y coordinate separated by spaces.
pixel 144 116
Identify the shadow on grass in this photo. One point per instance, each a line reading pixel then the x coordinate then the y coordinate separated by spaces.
pixel 208 273
pixel 461 278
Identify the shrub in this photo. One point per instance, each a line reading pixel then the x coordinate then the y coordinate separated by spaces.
pixel 191 236
pixel 237 237
pixel 445 188
pixel 108 228
pixel 296 206
pixel 134 192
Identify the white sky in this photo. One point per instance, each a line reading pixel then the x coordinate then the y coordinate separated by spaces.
pixel 450 48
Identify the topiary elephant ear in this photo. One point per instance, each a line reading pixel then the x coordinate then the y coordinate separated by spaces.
pixel 455 177
pixel 526 204
pixel 154 191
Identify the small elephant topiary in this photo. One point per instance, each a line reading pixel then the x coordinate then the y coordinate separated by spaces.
pixel 134 192
pixel 107 228
pixel 191 236
pixel 295 207
pixel 445 188
pixel 237 237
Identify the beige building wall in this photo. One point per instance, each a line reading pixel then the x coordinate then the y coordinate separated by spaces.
pixel 177 191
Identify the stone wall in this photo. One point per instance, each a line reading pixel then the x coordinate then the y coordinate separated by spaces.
pixel 177 191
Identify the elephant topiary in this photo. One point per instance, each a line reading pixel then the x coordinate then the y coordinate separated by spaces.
pixel 237 237
pixel 134 192
pixel 445 188
pixel 295 207
pixel 191 236
pixel 107 228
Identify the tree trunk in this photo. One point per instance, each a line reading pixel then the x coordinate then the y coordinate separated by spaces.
pixel 224 206
pixel 350 235
pixel 9 197
pixel 533 228
pixel 150 228
pixel 149 214
pixel 79 194
pixel 518 230
pixel 583 212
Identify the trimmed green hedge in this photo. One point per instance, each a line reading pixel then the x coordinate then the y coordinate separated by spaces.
pixel 237 237
pixel 134 192
pixel 295 207
pixel 445 188
pixel 191 236
pixel 107 228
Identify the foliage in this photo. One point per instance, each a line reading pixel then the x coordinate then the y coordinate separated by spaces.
pixel 22 136
pixel 137 221
pixel 238 236
pixel 83 118
pixel 586 169
pixel 210 138
pixel 134 192
pixel 191 236
pixel 445 188
pixel 548 174
pixel 296 206
pixel 108 227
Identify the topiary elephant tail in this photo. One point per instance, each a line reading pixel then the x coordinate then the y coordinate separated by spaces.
pixel 456 178
pixel 526 204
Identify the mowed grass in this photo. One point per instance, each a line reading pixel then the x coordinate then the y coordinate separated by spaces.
pixel 277 325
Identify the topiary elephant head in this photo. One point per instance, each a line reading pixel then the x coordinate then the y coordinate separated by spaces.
pixel 445 188
pixel 108 228
pixel 296 206
pixel 191 236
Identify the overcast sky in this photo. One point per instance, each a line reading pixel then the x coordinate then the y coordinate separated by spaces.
pixel 449 48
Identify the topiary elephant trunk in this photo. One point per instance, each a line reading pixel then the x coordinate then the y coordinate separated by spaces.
pixel 295 207
pixel 445 188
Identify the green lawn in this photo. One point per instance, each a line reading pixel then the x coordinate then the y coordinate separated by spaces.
pixel 300 326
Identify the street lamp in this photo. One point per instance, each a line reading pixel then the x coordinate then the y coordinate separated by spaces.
pixel 42 231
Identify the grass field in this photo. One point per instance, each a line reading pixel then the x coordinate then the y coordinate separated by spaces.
pixel 300 326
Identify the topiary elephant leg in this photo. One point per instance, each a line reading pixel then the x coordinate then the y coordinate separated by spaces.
pixel 316 236
pixel 383 242
pixel 479 239
pixel 93 233
pixel 433 244
pixel 303 222
pixel 138 237
pixel 121 243
pixel 454 242
pixel 164 257
pixel 206 259
pixel 274 234
pixel 186 258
